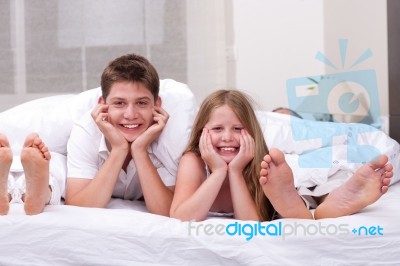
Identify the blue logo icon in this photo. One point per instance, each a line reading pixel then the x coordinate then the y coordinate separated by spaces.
pixel 349 95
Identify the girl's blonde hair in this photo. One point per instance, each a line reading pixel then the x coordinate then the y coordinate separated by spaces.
pixel 241 105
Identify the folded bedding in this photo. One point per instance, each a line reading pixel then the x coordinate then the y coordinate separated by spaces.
pixel 318 150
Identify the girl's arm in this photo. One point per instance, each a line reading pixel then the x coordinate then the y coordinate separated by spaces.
pixel 243 204
pixel 193 198
pixel 195 193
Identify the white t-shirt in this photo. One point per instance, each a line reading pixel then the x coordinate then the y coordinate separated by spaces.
pixel 87 152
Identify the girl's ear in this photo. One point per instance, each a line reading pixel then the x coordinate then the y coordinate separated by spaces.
pixel 101 100
pixel 158 102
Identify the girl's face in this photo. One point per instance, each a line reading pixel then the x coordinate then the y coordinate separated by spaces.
pixel 225 130
pixel 130 108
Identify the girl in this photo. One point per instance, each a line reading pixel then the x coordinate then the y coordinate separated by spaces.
pixel 219 171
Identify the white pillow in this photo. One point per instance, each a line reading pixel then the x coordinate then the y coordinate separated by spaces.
pixel 51 117
pixel 180 103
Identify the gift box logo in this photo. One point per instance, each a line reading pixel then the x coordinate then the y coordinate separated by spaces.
pixel 350 96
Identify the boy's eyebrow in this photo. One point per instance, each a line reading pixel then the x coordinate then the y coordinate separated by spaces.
pixel 117 98
pixel 124 99
pixel 144 98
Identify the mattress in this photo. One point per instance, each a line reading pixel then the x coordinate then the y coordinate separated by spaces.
pixel 126 234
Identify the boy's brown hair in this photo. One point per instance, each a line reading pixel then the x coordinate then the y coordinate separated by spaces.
pixel 130 68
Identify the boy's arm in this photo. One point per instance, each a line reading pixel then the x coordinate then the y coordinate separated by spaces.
pixel 157 196
pixel 96 192
pixel 83 158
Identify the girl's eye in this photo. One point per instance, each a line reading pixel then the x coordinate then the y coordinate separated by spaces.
pixel 238 129
pixel 217 128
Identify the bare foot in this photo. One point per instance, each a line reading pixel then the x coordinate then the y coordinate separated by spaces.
pixel 35 158
pixel 5 164
pixel 365 187
pixel 278 185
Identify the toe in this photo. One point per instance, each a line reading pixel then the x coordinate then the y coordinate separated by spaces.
pixel 386 181
pixel 264 165
pixel 389 174
pixel 388 167
pixel 277 156
pixel 263 180
pixel 263 172
pixel 267 158
pixel 4 141
pixel 379 162
pixel 29 140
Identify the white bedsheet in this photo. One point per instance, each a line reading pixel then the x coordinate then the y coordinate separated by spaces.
pixel 127 235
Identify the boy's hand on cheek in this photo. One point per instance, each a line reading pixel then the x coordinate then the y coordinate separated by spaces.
pixel 246 152
pixel 113 136
pixel 141 143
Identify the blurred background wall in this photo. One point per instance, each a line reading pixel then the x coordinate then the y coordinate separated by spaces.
pixel 52 47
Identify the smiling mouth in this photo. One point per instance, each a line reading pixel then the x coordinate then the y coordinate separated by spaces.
pixel 228 149
pixel 133 126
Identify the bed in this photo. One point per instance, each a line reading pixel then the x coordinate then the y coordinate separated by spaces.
pixel 126 234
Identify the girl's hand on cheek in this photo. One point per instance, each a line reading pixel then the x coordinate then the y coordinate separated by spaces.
pixel 246 152
pixel 209 155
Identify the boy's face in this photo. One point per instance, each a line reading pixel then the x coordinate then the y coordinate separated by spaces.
pixel 130 108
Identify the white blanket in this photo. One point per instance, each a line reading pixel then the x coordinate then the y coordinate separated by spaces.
pixel 127 235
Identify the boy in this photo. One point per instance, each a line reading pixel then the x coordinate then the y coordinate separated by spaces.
pixel 110 151
pixel 41 184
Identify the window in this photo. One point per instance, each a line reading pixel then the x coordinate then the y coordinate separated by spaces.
pixel 52 47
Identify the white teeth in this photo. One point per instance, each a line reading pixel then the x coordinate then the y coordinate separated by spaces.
pixel 130 126
pixel 228 149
